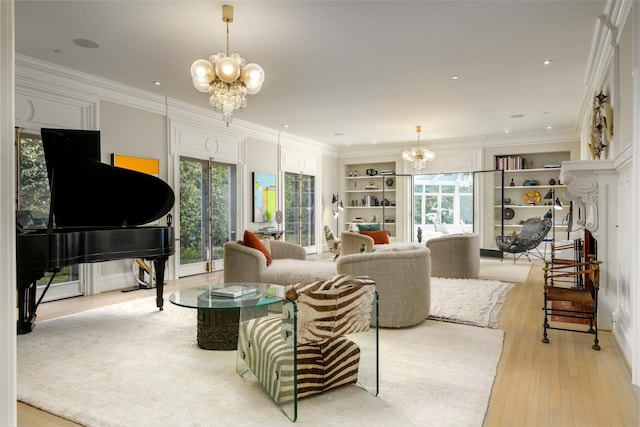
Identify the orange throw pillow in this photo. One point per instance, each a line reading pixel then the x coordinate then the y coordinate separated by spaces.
pixel 379 237
pixel 253 241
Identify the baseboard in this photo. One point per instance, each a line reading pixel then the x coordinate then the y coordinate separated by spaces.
pixel 634 387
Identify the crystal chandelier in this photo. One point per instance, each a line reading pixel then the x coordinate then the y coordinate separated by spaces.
pixel 227 78
pixel 418 155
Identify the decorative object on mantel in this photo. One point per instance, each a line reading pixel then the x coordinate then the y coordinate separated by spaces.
pixel 601 126
pixel 418 155
pixel 227 78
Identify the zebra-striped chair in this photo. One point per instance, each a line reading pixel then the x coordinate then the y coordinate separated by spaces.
pixel 315 344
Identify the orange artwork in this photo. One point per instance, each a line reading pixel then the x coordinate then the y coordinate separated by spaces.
pixel 140 164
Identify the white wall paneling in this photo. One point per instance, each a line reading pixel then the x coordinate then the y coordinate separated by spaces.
pixel 635 196
pixel 35 110
pixel 622 315
pixel 302 162
pixel 199 142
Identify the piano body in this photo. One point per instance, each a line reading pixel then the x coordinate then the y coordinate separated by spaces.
pixel 96 214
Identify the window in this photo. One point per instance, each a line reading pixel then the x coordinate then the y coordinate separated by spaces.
pixel 444 199
pixel 34 196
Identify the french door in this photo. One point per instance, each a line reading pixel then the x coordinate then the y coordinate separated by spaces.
pixel 299 210
pixel 208 212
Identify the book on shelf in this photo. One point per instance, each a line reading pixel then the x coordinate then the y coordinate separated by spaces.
pixel 510 162
pixel 233 291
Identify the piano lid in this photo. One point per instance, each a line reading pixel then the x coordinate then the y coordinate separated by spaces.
pixel 88 193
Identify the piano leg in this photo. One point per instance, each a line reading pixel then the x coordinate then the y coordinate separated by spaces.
pixel 159 264
pixel 26 308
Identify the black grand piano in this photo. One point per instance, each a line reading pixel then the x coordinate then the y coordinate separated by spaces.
pixel 97 214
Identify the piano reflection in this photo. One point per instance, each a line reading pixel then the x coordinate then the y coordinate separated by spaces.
pixel 96 214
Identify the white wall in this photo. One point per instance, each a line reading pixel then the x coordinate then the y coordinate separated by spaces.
pixel 8 415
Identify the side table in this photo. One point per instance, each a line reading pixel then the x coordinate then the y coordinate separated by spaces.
pixel 219 316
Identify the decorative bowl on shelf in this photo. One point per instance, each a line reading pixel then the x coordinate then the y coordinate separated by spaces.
pixel 532 197
pixel 508 213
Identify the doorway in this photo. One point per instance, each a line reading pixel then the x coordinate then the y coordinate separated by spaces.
pixel 208 212
pixel 300 210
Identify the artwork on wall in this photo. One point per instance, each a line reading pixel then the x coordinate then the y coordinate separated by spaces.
pixel 139 164
pixel 264 197
pixel 601 126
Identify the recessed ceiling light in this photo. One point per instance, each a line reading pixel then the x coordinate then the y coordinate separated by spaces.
pixel 455 77
pixel 547 61
pixel 549 127
pixel 507 131
pixel 157 83
pixel 58 51
pixel 90 44
pixel 516 116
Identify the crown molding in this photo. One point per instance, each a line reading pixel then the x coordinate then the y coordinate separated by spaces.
pixel 46 77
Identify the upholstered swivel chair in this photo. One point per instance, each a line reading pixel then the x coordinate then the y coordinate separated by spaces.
pixel 455 256
pixel 309 347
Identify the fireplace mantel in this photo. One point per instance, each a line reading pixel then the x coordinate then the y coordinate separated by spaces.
pixel 582 179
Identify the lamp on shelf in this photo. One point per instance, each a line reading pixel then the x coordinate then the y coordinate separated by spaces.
pixel 551 214
pixel 418 155
pixel 227 78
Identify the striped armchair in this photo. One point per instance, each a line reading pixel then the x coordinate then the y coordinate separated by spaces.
pixel 309 347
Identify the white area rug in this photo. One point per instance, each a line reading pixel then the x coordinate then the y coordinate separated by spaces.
pixel 468 301
pixel 505 271
pixel 130 365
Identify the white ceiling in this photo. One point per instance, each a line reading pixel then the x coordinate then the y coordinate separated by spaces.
pixel 343 72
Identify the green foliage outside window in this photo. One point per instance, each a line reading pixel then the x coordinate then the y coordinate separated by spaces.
pixel 194 209
pixel 34 195
pixel 192 176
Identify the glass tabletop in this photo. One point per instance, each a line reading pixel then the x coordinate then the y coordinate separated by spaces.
pixel 223 296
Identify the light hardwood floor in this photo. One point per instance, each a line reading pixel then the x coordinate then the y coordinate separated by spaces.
pixel 561 384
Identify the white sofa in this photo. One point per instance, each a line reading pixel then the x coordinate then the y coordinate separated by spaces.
pixel 351 242
pixel 289 265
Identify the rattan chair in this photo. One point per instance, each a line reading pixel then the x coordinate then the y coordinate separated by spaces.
pixel 534 230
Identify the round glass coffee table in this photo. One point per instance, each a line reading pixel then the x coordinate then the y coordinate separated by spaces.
pixel 219 306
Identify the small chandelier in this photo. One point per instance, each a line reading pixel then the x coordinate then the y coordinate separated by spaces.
pixel 227 78
pixel 418 155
